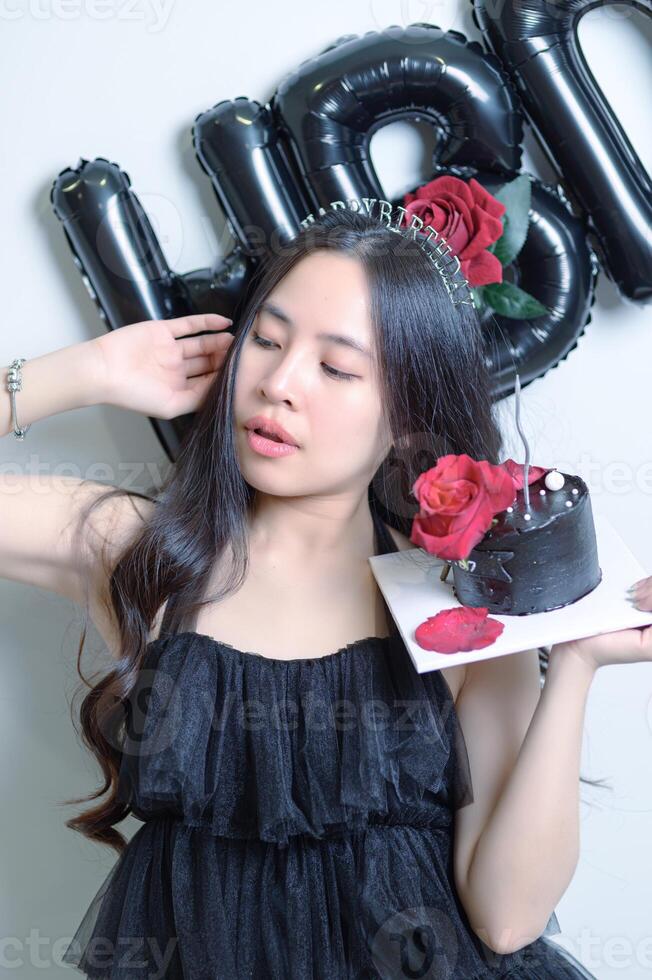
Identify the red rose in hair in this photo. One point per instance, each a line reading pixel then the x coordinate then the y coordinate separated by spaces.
pixel 516 471
pixel 458 499
pixel 458 629
pixel 468 217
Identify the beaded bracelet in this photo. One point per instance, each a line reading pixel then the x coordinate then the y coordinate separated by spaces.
pixel 14 384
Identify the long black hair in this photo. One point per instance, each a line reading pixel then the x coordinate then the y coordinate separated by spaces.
pixel 436 398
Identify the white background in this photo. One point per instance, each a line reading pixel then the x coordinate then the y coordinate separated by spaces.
pixel 125 81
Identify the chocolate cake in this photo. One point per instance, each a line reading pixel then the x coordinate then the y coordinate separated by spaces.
pixel 537 560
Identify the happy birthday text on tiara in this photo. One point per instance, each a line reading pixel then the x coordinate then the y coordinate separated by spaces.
pixel 436 252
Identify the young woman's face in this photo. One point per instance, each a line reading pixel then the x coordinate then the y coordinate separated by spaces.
pixel 323 392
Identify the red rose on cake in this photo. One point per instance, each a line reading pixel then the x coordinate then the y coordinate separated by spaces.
pixel 459 498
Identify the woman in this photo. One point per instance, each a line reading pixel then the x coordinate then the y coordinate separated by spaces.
pixel 282 840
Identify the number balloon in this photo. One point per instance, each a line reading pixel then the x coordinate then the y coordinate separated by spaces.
pixel 538 45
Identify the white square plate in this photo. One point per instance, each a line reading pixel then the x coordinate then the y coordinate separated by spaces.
pixel 410 582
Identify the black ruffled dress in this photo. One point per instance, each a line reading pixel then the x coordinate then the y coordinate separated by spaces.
pixel 297 824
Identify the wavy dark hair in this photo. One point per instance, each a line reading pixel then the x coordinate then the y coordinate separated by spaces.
pixel 437 398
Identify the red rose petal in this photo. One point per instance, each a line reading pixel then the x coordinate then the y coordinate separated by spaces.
pixel 487 201
pixel 482 270
pixel 516 471
pixel 447 186
pixel 461 628
pixel 487 230
pixel 451 542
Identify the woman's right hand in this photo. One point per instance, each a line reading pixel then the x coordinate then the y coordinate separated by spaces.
pixel 155 368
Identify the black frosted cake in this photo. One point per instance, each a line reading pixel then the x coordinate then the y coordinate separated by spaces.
pixel 534 561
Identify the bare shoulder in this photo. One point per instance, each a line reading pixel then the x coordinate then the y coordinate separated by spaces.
pixel 454 676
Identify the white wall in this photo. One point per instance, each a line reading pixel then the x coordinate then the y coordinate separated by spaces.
pixel 128 87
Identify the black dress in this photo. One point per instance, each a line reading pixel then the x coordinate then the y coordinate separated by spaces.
pixel 297 823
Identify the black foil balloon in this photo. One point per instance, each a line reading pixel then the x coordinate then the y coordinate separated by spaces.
pixel 239 147
pixel 329 109
pixel 124 268
pixel 538 44
pixel 558 267
pixel 115 246
pixel 331 105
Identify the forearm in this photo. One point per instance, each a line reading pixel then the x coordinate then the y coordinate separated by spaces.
pixel 528 851
pixel 70 377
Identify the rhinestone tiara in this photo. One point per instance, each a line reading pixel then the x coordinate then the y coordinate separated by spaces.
pixel 428 238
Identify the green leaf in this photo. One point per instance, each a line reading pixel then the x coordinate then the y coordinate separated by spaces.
pixel 512 301
pixel 516 196
pixel 478 298
pixel 508 245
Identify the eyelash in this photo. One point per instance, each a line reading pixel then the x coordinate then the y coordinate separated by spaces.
pixel 331 371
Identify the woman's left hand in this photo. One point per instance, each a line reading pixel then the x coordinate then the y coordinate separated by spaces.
pixel 620 647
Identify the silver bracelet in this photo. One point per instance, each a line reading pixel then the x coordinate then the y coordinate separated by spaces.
pixel 14 384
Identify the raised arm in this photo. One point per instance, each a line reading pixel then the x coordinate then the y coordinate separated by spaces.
pixel 157 367
pixel 39 510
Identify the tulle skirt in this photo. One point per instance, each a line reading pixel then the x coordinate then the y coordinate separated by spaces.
pixel 181 903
